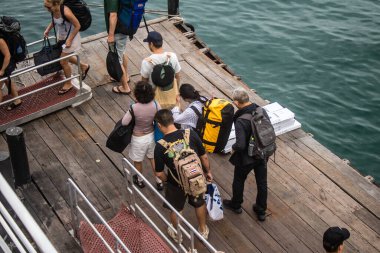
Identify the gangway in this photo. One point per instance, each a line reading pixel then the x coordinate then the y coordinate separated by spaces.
pixel 42 98
pixel 133 192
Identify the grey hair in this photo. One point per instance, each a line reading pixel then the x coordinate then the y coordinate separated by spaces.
pixel 240 95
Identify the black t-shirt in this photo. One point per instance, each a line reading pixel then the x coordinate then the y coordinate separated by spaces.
pixel 162 159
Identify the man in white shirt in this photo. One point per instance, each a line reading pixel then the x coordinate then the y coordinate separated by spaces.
pixel 158 56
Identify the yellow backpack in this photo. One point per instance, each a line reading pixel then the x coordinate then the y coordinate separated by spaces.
pixel 218 118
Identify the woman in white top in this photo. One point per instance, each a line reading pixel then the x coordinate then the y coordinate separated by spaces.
pixel 67 31
pixel 142 143
pixel 189 117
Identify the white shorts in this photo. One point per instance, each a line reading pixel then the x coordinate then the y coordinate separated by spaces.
pixel 121 41
pixel 142 146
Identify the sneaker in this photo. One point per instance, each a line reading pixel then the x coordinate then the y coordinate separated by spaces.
pixel 205 233
pixel 229 205
pixel 160 186
pixel 137 182
pixel 173 235
pixel 260 213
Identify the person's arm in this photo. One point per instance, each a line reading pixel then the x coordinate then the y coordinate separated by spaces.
pixel 126 119
pixel 112 27
pixel 241 138
pixel 47 30
pixel 184 117
pixel 145 70
pixel 75 25
pixel 7 56
pixel 159 162
pixel 178 79
pixel 206 166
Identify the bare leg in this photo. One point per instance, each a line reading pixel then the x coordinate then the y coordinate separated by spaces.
pixel 200 212
pixel 151 160
pixel 138 166
pixel 67 70
pixel 83 66
pixel 14 93
pixel 125 78
pixel 173 218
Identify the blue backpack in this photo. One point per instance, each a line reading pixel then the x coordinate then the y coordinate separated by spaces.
pixel 130 14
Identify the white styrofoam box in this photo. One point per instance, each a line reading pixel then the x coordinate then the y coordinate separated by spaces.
pixel 273 107
pixel 231 140
pixel 284 124
pixel 280 115
pixel 295 125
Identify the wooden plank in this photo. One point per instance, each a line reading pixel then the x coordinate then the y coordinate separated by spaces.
pixel 97 134
pixel 170 40
pixel 274 226
pixel 176 33
pixel 332 218
pixel 93 172
pixel 369 219
pixel 340 165
pixel 347 184
pixel 51 225
pixel 66 158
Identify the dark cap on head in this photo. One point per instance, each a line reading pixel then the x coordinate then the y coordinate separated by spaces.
pixel 154 37
pixel 333 237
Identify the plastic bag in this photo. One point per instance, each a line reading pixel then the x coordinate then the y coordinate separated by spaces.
pixel 214 202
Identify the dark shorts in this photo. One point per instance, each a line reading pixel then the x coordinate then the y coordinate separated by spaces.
pixel 177 198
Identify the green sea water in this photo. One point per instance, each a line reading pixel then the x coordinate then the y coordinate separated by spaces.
pixel 321 59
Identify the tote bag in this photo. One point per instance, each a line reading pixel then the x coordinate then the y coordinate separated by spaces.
pixel 121 135
pixel 48 53
pixel 214 202
pixel 113 63
pixel 167 98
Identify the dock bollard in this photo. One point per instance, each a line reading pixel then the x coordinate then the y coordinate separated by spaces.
pixel 6 167
pixel 17 152
pixel 173 7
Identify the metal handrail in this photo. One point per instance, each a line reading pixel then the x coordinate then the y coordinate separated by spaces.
pixel 29 69
pixel 23 214
pixel 192 231
pixel 73 190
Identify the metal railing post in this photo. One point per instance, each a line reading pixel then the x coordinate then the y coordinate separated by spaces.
pixel 73 209
pixel 80 74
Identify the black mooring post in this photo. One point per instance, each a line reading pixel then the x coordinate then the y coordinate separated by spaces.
pixel 17 152
pixel 173 7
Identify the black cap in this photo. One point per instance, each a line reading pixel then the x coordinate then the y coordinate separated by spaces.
pixel 333 237
pixel 154 37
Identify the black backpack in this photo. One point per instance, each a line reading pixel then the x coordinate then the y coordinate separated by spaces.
pixel 80 11
pixel 262 142
pixel 163 74
pixel 10 29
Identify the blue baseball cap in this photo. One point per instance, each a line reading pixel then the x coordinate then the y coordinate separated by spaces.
pixel 154 37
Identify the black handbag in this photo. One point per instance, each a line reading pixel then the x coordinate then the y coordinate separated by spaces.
pixel 113 63
pixel 48 53
pixel 121 135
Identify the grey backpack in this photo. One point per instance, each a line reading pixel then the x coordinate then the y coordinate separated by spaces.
pixel 262 142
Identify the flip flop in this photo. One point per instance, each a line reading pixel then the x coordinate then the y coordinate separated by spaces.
pixel 64 91
pixel 117 90
pixel 84 75
pixel 12 106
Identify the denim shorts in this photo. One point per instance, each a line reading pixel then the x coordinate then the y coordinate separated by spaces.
pixel 121 42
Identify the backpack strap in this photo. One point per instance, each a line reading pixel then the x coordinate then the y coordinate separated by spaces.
pixel 164 143
pixel 186 136
pixel 195 110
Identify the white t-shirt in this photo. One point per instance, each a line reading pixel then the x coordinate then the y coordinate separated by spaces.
pixel 147 66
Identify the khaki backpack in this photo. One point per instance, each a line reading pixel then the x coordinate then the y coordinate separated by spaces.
pixel 187 165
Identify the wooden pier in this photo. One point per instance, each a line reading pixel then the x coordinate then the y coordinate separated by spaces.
pixel 310 188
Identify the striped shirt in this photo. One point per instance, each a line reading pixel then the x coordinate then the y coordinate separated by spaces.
pixel 188 118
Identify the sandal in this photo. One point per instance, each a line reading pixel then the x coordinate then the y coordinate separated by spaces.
pixel 64 91
pixel 117 90
pixel 84 75
pixel 13 105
